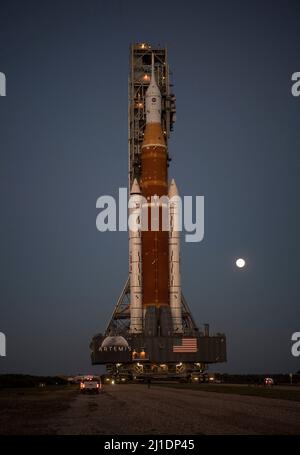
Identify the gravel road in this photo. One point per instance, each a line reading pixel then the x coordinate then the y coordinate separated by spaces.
pixel 135 409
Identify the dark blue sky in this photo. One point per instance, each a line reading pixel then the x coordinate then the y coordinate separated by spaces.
pixel 63 143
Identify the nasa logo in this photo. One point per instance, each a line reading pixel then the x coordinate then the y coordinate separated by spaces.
pixel 296 345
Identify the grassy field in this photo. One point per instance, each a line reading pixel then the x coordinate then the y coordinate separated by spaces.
pixel 249 390
pixel 27 410
pixel 36 391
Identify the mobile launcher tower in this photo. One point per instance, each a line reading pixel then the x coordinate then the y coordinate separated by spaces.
pixel 152 332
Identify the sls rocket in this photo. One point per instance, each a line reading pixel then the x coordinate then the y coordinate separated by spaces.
pixel 155 290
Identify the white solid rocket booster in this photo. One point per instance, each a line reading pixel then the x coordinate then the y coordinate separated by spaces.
pixel 135 258
pixel 174 257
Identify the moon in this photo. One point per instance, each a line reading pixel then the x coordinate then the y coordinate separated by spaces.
pixel 240 263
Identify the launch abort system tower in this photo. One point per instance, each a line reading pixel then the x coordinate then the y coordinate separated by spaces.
pixel 152 331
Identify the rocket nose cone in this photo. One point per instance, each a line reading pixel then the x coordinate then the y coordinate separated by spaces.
pixel 153 89
pixel 135 189
pixel 173 190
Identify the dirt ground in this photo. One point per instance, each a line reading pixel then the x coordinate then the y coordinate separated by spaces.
pixel 135 409
pixel 28 411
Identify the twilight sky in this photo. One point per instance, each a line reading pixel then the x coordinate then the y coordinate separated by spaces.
pixel 63 143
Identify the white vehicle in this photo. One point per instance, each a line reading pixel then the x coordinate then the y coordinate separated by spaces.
pixel 268 382
pixel 90 384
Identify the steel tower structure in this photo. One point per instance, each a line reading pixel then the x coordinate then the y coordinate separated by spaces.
pixel 139 77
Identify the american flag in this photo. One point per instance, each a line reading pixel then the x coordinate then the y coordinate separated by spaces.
pixel 187 345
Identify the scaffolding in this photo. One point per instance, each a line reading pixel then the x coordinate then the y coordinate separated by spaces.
pixel 119 322
pixel 139 79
